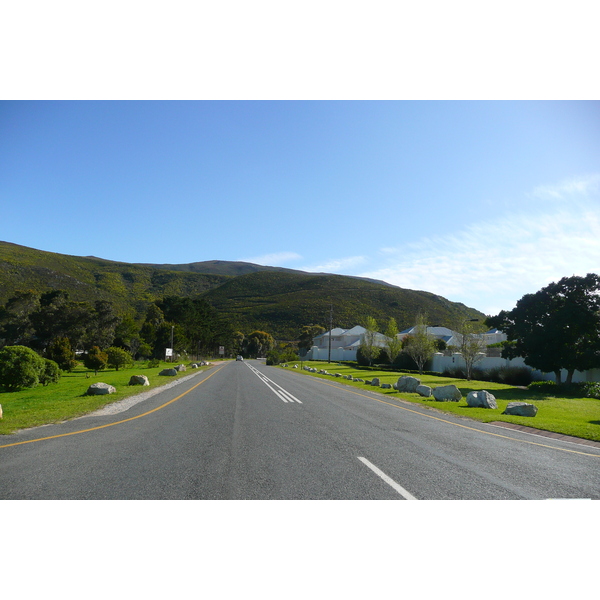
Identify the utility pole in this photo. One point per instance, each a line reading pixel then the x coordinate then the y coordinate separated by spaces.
pixel 172 350
pixel 330 328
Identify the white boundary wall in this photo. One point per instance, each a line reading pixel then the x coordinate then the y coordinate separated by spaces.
pixel 440 362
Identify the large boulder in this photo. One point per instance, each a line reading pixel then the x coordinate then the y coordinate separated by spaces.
pixel 169 372
pixel 180 368
pixel 447 393
pixel 481 399
pixel 98 389
pixel 520 409
pixel 407 384
pixel 0 411
pixel 375 381
pixel 423 390
pixel 386 386
pixel 138 380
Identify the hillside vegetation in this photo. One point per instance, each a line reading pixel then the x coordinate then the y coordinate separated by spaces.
pixel 278 301
pixel 131 288
pixel 281 302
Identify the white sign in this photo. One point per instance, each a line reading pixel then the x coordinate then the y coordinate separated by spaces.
pixel 168 351
pixel 221 349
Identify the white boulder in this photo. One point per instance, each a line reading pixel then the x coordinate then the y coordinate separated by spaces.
pixel 520 409
pixel 138 380
pixel 423 390
pixel 447 393
pixel 98 389
pixel 481 399
pixel 169 372
pixel 407 384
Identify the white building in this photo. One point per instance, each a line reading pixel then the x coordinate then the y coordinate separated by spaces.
pixel 344 344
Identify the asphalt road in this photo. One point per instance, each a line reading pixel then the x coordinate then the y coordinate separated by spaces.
pixel 247 431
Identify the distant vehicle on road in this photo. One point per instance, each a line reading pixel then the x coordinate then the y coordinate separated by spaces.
pixel 239 357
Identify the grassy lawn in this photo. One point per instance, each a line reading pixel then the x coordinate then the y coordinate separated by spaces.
pixel 68 399
pixel 579 417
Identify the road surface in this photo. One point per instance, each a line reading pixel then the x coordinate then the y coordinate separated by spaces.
pixel 247 431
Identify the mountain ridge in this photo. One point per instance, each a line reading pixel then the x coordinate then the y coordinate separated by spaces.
pixel 274 299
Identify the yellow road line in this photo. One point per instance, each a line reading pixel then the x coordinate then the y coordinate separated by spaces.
pixel 51 437
pixel 506 437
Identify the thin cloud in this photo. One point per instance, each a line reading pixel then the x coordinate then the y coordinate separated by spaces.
pixel 491 265
pixel 275 259
pixel 338 264
pixel 581 186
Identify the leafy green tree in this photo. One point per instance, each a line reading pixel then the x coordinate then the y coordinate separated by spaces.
pixel 556 328
pixel 309 332
pixel 95 359
pixel 20 367
pixel 258 343
pixel 393 345
pixel 237 342
pixel 51 372
pixel 102 325
pixel 368 347
pixel 419 345
pixel 469 343
pixel 60 317
pixel 117 357
pixel 16 327
pixel 60 351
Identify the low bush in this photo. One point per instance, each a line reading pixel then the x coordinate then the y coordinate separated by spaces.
pixel 20 367
pixel 591 389
pixel 276 357
pixel 517 376
pixel 51 372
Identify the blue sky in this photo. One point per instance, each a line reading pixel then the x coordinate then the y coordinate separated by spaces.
pixel 480 202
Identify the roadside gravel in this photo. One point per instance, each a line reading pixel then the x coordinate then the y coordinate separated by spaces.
pixel 125 404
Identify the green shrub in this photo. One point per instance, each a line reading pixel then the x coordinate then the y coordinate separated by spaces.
pixel 20 367
pixel 60 351
pixel 117 357
pixel 591 389
pixel 95 359
pixel 517 376
pixel 153 363
pixel 51 372
pixel 543 386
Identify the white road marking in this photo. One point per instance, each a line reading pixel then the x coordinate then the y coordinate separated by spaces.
pixel 388 480
pixel 281 393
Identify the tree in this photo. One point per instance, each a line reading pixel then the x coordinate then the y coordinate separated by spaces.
pixel 308 333
pixel 368 347
pixel 15 319
pixel 60 351
pixel 20 367
pixel 102 326
pixel 95 359
pixel 60 317
pixel 50 373
pixel 419 345
pixel 556 328
pixel 117 357
pixel 393 345
pixel 258 343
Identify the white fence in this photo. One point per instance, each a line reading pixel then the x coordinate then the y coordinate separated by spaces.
pixel 440 363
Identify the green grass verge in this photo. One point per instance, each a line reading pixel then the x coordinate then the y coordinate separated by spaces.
pixel 579 417
pixel 67 399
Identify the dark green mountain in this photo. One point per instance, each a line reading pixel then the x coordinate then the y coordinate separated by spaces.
pixel 130 287
pixel 273 299
pixel 283 302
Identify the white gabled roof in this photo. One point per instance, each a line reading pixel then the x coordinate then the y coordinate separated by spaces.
pixel 356 330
